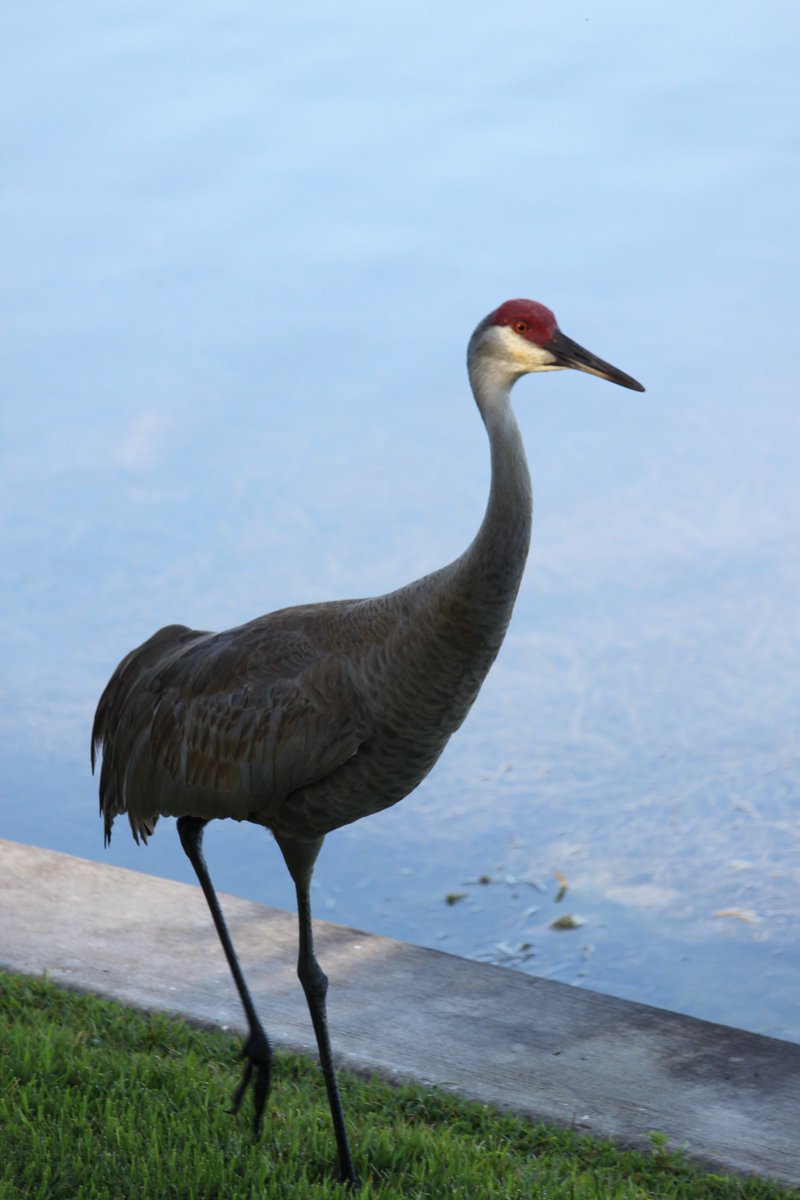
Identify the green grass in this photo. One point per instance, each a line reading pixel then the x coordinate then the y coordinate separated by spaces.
pixel 97 1101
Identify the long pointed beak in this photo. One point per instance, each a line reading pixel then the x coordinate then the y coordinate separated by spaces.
pixel 567 353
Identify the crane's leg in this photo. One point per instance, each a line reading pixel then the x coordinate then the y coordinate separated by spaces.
pixel 300 858
pixel 257 1049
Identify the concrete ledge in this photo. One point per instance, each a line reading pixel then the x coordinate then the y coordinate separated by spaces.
pixel 544 1049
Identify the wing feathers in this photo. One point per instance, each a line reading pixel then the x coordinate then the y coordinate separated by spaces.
pixel 208 725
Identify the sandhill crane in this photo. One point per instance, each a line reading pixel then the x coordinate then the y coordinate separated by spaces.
pixel 312 717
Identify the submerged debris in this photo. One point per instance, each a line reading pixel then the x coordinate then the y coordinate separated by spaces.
pixel 568 921
pixel 740 914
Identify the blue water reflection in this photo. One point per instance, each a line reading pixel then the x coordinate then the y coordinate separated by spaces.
pixel 244 252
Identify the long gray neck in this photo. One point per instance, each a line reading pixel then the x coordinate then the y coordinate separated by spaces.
pixel 462 611
pixel 493 564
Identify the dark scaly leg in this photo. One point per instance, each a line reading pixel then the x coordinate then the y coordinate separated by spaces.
pixel 300 858
pixel 256 1049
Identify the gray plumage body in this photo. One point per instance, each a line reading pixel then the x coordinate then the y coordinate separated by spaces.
pixel 311 717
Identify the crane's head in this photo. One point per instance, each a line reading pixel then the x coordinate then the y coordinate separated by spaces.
pixel 523 336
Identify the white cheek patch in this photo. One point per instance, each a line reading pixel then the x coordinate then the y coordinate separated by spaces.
pixel 529 356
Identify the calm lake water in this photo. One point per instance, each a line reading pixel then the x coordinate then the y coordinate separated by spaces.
pixel 244 247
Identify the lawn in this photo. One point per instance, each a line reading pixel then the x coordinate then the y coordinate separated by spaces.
pixel 97 1101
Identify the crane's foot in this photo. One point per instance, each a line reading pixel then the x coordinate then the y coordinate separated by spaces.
pixel 257 1074
pixel 351 1182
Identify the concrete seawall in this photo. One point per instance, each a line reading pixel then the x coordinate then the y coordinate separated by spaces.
pixel 543 1049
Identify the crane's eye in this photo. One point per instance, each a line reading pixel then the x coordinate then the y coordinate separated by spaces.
pixel 521 326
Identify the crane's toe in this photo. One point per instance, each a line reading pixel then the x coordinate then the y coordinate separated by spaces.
pixel 258 1073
